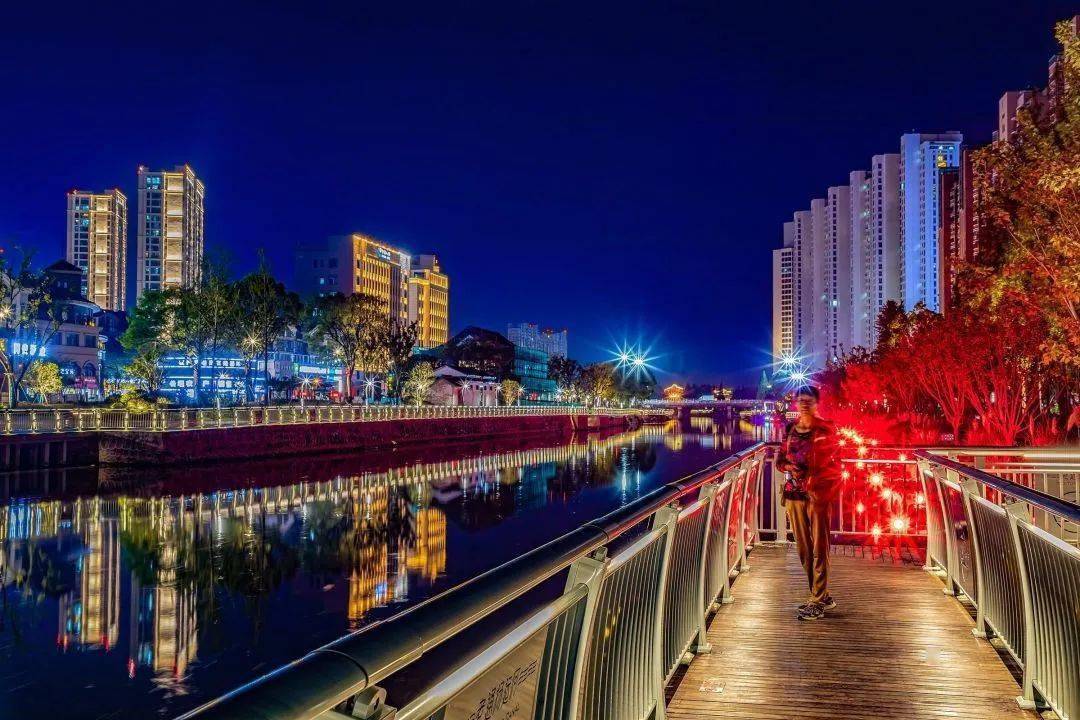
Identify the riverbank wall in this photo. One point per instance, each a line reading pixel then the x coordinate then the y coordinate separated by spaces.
pixel 147 448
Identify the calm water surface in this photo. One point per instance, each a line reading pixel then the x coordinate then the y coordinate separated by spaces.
pixel 135 594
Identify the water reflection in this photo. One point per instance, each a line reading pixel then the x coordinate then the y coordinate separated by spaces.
pixel 224 576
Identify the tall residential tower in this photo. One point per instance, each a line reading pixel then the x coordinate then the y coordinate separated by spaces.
pixel 97 226
pixel 171 227
pixel 922 155
pixel 429 301
pixel 783 305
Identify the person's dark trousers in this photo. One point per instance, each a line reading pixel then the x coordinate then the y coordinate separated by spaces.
pixel 809 522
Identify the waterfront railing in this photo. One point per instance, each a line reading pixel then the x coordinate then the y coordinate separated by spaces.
pixel 1013 549
pixel 30 421
pixel 637 585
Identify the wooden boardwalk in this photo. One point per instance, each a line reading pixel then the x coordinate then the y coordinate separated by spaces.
pixel 896 647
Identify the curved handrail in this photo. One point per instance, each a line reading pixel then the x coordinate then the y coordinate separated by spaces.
pixel 1062 508
pixel 324 677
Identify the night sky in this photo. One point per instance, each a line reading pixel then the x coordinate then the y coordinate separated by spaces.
pixel 620 169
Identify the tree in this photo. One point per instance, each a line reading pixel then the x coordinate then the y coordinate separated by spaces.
pixel 29 318
pixel 42 378
pixel 945 376
pixel 397 340
pixel 342 327
pixel 265 311
pixel 1030 242
pixel 510 390
pixel 146 367
pixel 194 321
pixel 1007 377
pixel 597 384
pixel 565 372
pixel 417 383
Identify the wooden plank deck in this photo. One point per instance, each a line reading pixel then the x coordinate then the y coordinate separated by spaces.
pixel 896 647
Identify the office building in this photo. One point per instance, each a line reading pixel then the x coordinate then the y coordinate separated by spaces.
pixel 97 227
pixel 171 229
pixel 547 340
pixel 783 301
pixel 922 155
pixel 429 301
pixel 356 263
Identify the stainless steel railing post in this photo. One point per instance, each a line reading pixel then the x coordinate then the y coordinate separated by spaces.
pixel 970 489
pixel 588 571
pixel 1017 512
pixel 732 476
pixel 666 517
pixel 702 645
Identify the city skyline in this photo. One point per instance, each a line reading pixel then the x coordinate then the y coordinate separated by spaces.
pixel 539 185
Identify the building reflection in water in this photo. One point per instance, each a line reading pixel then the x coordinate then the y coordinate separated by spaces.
pixel 376 532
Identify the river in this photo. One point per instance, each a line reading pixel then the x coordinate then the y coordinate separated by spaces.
pixel 146 593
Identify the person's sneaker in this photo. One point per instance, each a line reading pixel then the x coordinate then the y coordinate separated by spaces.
pixel 828 603
pixel 813 611
pixel 805 605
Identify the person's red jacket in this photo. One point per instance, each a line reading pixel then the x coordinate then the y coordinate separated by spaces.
pixel 823 475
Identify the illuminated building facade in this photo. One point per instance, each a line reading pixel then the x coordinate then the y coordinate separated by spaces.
pixel 922 155
pixel 846 258
pixel 97 228
pixel 548 340
pixel 858 299
pixel 429 301
pixel 356 263
pixel 886 249
pixel 801 285
pixel 816 347
pixel 837 268
pixel 783 330
pixel 170 230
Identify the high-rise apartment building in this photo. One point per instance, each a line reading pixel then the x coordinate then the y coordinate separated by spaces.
pixel 837 267
pixel 802 285
pixel 859 267
pixel 783 300
pixel 171 229
pixel 429 301
pixel 886 249
pixel 356 263
pixel 922 155
pixel 845 257
pixel 533 337
pixel 97 227
pixel 817 347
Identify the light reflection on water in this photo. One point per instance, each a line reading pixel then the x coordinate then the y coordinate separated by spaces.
pixel 139 593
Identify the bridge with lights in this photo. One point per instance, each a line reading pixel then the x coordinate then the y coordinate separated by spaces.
pixel 956 572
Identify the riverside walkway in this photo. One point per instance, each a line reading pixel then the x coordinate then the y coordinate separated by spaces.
pixel 896 647
pixel 958 597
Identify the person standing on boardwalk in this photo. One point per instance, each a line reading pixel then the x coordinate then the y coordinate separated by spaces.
pixel 810 455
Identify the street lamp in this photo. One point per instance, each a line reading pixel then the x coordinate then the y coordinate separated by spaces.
pixel 304 385
pixel 369 390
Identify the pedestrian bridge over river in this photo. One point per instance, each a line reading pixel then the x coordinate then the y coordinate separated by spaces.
pixel 957 577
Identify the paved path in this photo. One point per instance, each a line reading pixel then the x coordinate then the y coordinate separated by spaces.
pixel 897 647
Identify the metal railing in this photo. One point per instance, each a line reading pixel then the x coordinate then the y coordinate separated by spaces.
pixel 1014 550
pixel 32 421
pixel 638 584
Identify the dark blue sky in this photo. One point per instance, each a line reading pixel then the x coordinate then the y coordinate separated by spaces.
pixel 615 168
